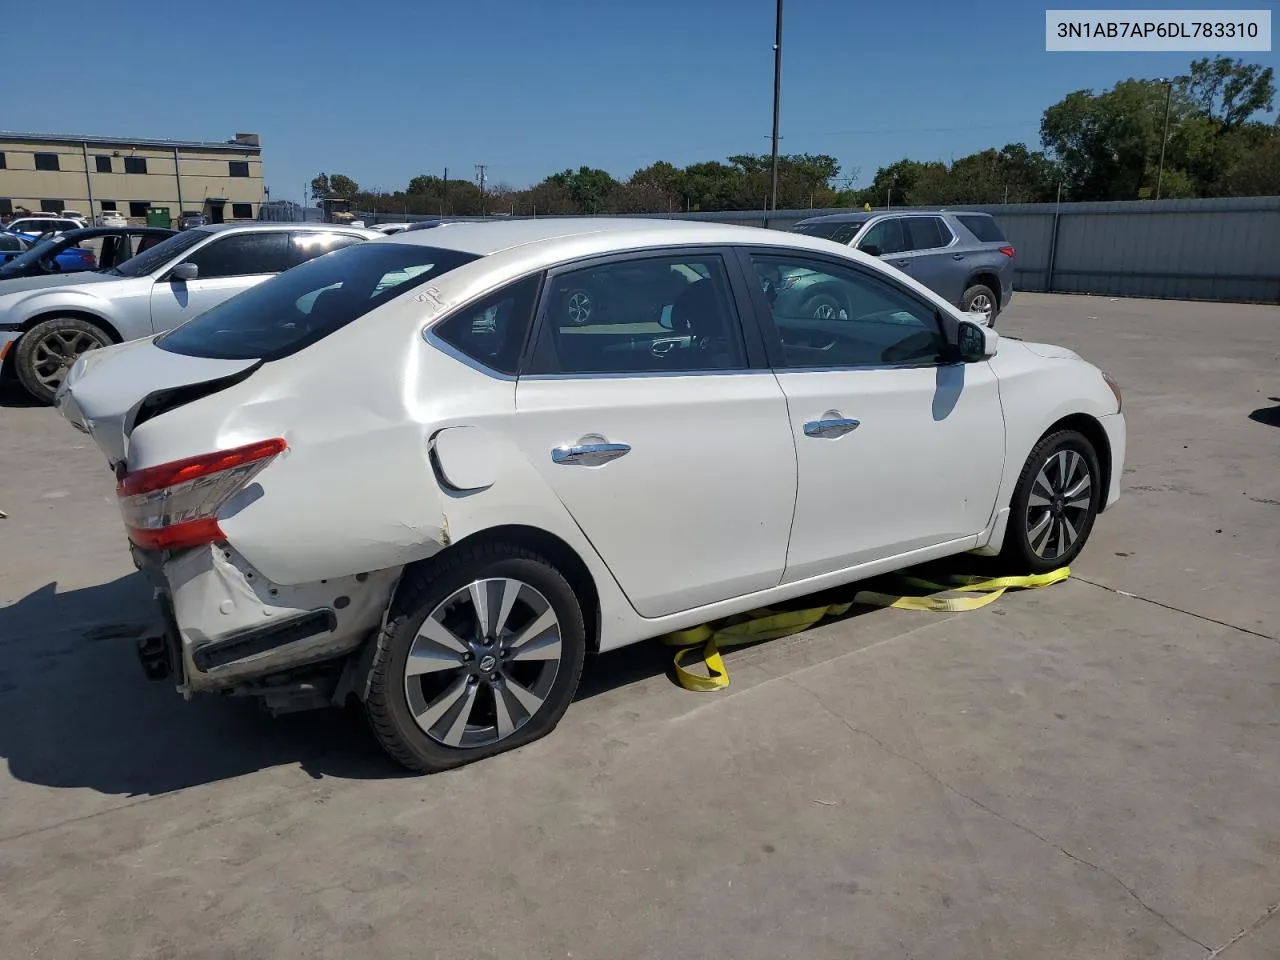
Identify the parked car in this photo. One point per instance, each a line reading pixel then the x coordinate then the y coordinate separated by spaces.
pixel 388 229
pixel 48 321
pixel 395 472
pixel 64 253
pixel 37 226
pixel 15 247
pixel 191 219
pixel 112 218
pixel 963 256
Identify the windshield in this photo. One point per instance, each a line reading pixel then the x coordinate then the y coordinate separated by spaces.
pixel 149 261
pixel 841 231
pixel 45 248
pixel 301 306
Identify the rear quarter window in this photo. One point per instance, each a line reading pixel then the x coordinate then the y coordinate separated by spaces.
pixel 984 228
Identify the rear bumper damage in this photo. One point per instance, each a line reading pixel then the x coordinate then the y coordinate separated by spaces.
pixel 228 628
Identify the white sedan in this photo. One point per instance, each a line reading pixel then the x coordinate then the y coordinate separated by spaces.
pixel 404 472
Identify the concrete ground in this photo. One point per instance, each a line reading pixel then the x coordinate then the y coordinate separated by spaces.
pixel 1090 770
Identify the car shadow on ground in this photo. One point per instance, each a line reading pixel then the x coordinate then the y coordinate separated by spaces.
pixel 1269 416
pixel 77 711
pixel 12 394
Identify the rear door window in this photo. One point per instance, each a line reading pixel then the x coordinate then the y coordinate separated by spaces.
pixel 309 244
pixel 301 306
pixel 243 255
pixel 984 228
pixel 923 233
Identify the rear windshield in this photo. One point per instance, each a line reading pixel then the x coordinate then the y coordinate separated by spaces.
pixel 841 231
pixel 984 228
pixel 295 309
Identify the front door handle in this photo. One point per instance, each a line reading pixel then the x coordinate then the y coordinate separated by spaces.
pixel 590 454
pixel 902 263
pixel 957 256
pixel 830 427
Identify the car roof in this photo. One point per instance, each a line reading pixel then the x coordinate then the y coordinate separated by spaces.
pixel 594 235
pixel 856 216
pixel 258 226
pixel 90 232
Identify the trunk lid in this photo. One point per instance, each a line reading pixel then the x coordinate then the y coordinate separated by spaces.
pixel 110 391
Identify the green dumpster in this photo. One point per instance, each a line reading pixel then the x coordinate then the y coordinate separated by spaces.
pixel 158 217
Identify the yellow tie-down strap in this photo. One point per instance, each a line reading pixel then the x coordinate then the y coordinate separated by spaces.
pixel 768 624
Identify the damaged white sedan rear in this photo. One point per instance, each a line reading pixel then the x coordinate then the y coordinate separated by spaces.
pixel 434 471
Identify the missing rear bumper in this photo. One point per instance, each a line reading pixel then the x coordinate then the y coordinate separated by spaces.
pixel 254 641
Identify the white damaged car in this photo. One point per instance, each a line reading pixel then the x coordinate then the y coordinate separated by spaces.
pixel 409 471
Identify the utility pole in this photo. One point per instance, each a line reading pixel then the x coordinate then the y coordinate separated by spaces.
pixel 481 167
pixel 1168 98
pixel 777 97
pixel 444 192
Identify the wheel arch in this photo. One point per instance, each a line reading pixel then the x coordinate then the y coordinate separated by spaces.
pixel 987 278
pixel 1096 434
pixel 105 325
pixel 560 554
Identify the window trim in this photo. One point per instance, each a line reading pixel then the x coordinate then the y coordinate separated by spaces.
pixel 57 162
pixel 921 216
pixel 538 364
pixel 948 326
pixel 97 163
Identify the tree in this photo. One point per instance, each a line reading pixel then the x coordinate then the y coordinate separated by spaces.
pixel 1229 91
pixel 343 186
pixel 588 186
pixel 320 187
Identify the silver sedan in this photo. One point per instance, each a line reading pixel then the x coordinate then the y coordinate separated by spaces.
pixel 46 323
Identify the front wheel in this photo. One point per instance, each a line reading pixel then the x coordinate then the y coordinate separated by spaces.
pixel 481 654
pixel 1055 502
pixel 47 351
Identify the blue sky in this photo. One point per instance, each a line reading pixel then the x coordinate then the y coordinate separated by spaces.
pixel 385 89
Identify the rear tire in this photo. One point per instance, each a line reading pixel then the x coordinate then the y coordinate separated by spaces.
pixel 482 653
pixel 980 298
pixel 1054 504
pixel 46 352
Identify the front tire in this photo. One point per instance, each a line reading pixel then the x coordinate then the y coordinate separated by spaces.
pixel 1054 505
pixel 47 351
pixel 482 653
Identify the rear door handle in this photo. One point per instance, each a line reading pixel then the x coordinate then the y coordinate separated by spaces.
pixel 957 256
pixel 830 427
pixel 902 263
pixel 590 454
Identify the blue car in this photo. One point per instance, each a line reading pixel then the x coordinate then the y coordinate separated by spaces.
pixel 22 255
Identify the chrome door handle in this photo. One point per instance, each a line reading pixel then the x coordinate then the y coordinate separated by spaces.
pixel 830 428
pixel 590 454
pixel 957 256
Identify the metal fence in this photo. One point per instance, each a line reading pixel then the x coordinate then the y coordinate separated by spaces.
pixel 1225 249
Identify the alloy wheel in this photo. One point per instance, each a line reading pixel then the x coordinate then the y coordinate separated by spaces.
pixel 982 304
pixel 56 353
pixel 1059 504
pixel 579 307
pixel 483 663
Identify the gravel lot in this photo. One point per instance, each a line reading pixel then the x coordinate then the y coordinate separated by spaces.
pixel 1087 771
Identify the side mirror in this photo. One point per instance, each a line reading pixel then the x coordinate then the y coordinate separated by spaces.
pixel 975 342
pixel 184 272
pixel 871 250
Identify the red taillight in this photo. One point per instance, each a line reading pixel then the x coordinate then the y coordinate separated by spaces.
pixel 1007 251
pixel 175 505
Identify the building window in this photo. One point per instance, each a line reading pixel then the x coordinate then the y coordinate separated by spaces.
pixel 242 211
pixel 46 161
pixel 239 168
pixel 6 205
pixel 103 163
pixel 135 164
pixel 138 208
pixel 51 206
pixel 108 206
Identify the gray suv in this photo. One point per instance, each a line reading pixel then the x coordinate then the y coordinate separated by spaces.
pixel 47 322
pixel 962 256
